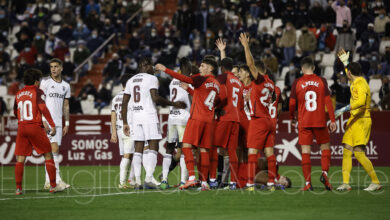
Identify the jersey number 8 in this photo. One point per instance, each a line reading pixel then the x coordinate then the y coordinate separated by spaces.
pixel 311 101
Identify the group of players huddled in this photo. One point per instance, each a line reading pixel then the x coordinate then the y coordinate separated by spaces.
pixel 228 118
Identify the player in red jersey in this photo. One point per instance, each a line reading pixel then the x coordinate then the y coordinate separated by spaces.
pixel 29 107
pixel 260 125
pixel 312 94
pixel 227 125
pixel 200 127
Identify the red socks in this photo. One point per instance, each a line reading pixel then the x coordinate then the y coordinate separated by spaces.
pixel 189 159
pixel 233 162
pixel 213 162
pixel 252 163
pixel 51 171
pixel 19 167
pixel 325 160
pixel 271 168
pixel 306 167
pixel 204 166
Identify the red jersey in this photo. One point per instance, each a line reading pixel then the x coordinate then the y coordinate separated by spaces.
pixel 29 107
pixel 233 95
pixel 261 95
pixel 245 113
pixel 273 110
pixel 312 94
pixel 206 92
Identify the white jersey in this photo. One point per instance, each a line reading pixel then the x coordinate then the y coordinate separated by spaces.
pixel 144 109
pixel 55 93
pixel 178 116
pixel 116 107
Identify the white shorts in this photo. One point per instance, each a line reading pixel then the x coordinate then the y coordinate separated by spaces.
pixel 56 138
pixel 145 132
pixel 126 144
pixel 175 133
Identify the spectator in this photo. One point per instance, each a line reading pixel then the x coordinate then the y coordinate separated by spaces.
pixel 3 107
pixel 317 14
pixel 68 69
pixel 68 17
pixel 4 21
pixel 251 27
pixel 88 89
pixel 81 32
pixel 93 42
pixel 74 105
pixel 202 18
pixel 21 67
pixel 385 88
pixel 233 28
pixel 290 77
pixel 81 54
pixel 60 51
pixel 5 61
pixel 154 41
pixel 65 33
pixel 289 15
pixel 29 54
pixel 113 68
pixel 380 22
pixel 51 44
pixel 103 97
pixel 343 13
pixel 270 61
pixel 134 41
pixel 184 19
pixel 361 22
pixel 326 39
pixel 22 42
pixel 130 66
pixel 341 90
pixel 93 21
pixel 92 6
pixel 42 64
pixel 374 61
pixel 302 16
pixel 307 42
pixel 369 33
pixel 39 42
pixel 384 67
pixel 330 14
pixel 345 39
pixel 107 29
pixel 217 20
pixel 287 42
pixel 372 45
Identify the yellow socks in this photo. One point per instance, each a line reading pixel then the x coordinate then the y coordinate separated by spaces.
pixel 347 165
pixel 366 164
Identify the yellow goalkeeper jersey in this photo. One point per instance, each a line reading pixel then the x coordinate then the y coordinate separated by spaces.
pixel 360 98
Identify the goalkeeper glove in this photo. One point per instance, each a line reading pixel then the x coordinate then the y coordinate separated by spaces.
pixel 340 111
pixel 344 58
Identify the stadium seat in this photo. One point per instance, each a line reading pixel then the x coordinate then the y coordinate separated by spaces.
pixel 328 59
pixel 383 45
pixel 116 90
pixel 375 97
pixel 276 23
pixel 284 72
pixel 10 101
pixel 375 85
pixel 88 106
pixel 328 72
pixel 356 57
pixel 55 29
pixel 330 82
pixel 280 84
pixel 358 43
pixel 3 90
pixel 106 110
pixel 265 23
pixel 318 56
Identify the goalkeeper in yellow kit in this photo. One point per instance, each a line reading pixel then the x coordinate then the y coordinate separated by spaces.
pixel 358 129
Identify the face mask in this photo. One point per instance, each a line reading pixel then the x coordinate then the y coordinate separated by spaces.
pixel 148 24
pixel 22 62
pixel 381 16
pixel 39 59
pixel 153 34
pixel 208 35
pixel 292 68
pixel 220 35
pixel 1 49
pixel 79 25
pixel 250 22
pixel 134 1
pixel 38 37
pixel 80 49
pixel 94 36
pixel 27 49
pixel 371 41
pixel 374 58
pixel 288 28
pixel 167 34
pixel 2 16
pixel 67 59
pixel 235 22
pixel 135 35
pixel 211 10
pixel 67 4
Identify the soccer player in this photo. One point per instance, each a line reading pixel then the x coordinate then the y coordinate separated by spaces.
pixel 126 145
pixel 143 91
pixel 260 126
pixel 227 125
pixel 312 94
pixel 29 107
pixel 177 121
pixel 57 94
pixel 200 128
pixel 357 132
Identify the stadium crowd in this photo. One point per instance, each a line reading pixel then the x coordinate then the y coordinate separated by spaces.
pixel 283 31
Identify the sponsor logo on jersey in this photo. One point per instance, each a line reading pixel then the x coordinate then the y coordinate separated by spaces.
pixel 175 112
pixel 137 80
pixel 138 108
pixel 56 95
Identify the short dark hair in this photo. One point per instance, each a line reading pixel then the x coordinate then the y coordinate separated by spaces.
pixel 260 65
pixel 194 69
pixel 31 75
pixel 144 61
pixel 125 78
pixel 307 61
pixel 288 182
pixel 355 68
pixel 247 69
pixel 185 65
pixel 212 63
pixel 227 63
pixel 209 56
pixel 56 60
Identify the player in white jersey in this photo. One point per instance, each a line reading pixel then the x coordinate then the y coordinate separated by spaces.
pixel 57 94
pixel 126 144
pixel 143 91
pixel 177 121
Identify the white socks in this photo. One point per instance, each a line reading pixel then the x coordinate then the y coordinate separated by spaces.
pixel 123 167
pixel 183 168
pixel 226 170
pixel 131 175
pixel 151 161
pixel 56 158
pixel 165 166
pixel 137 161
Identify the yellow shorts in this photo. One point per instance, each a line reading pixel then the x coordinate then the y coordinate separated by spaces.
pixel 357 132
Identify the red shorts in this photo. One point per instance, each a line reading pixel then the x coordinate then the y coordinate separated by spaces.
pixel 306 135
pixel 199 133
pixel 260 134
pixel 226 134
pixel 30 136
pixel 242 175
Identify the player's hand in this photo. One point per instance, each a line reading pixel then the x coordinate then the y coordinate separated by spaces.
pixel 47 127
pixel 333 127
pixel 114 138
pixel 126 130
pixel 244 39
pixel 160 67
pixel 184 86
pixel 65 130
pixel 343 56
pixel 53 131
pixel 294 123
pixel 180 104
pixel 221 45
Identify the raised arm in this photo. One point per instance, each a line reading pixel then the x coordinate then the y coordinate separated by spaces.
pixel 221 45
pixel 174 74
pixel 244 39
pixel 165 102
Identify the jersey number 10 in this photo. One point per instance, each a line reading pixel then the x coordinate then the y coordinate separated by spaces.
pixel 25 110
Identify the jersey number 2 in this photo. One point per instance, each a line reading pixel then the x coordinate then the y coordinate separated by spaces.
pixel 25 110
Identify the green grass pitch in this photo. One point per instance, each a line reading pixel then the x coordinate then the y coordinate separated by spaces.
pixel 94 195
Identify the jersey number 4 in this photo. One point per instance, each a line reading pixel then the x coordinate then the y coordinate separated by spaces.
pixel 311 101
pixel 25 110
pixel 209 101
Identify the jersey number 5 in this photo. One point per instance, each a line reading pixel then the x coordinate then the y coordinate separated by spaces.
pixel 25 110
pixel 209 102
pixel 311 101
pixel 235 96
